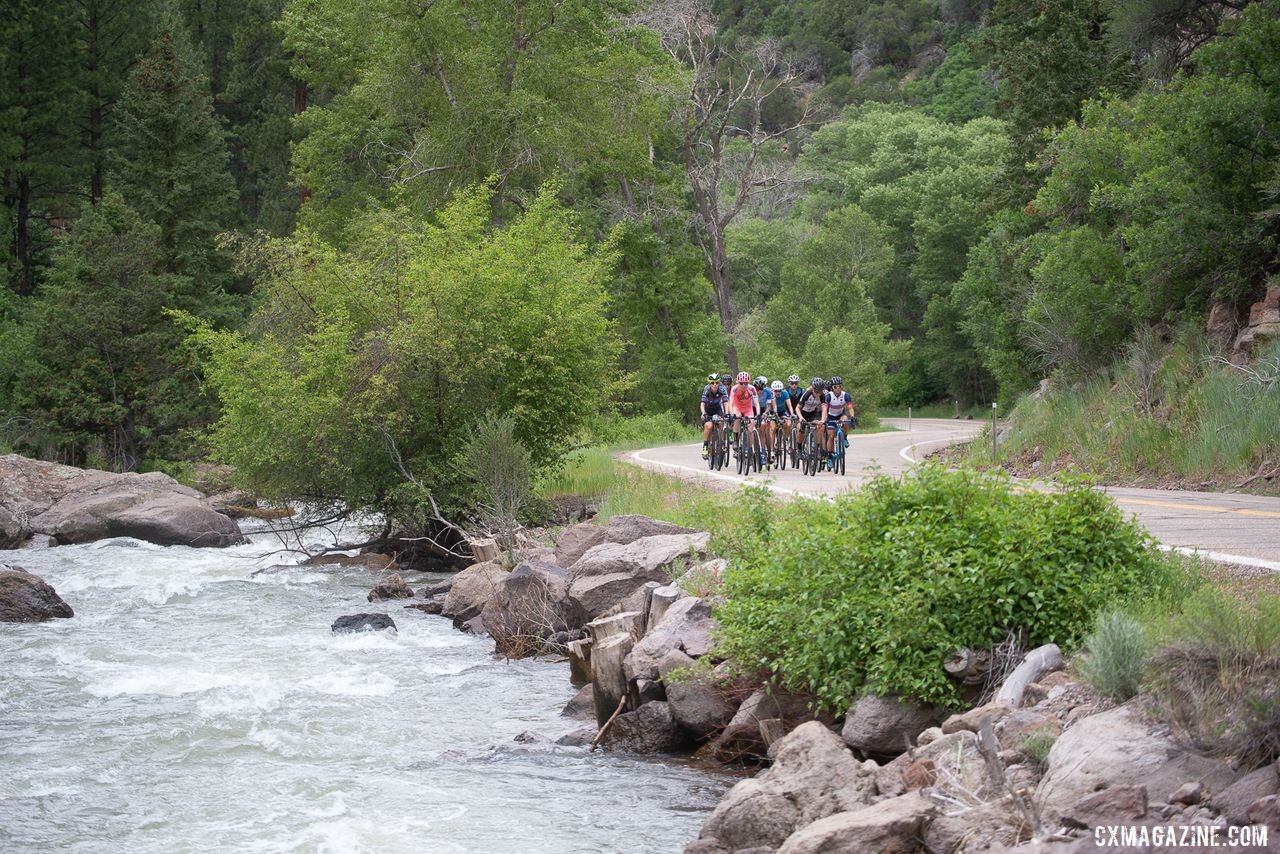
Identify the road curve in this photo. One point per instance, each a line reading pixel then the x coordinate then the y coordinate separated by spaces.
pixel 1242 529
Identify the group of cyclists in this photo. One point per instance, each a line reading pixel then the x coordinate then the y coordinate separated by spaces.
pixel 774 407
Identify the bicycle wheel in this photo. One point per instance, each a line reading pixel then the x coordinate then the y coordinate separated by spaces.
pixel 780 446
pixel 794 433
pixel 811 451
pixel 718 447
pixel 711 449
pixel 739 451
pixel 840 452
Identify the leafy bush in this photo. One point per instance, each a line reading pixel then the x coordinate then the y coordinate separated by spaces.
pixel 872 590
pixel 1217 676
pixel 500 465
pixel 1118 649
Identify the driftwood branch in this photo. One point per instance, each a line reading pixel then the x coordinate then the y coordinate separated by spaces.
pixel 1034 664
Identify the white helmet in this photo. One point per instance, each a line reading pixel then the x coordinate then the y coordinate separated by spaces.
pixel 793 379
pixel 777 385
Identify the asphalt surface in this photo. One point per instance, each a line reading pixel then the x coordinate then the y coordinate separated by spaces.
pixel 1227 527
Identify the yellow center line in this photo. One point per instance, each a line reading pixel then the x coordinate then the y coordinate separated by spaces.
pixel 1205 508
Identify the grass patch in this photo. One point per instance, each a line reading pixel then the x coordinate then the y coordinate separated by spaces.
pixel 1116 657
pixel 1216 675
pixel 618 488
pixel 1170 414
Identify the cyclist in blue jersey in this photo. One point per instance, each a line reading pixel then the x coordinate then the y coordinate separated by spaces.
pixel 714 398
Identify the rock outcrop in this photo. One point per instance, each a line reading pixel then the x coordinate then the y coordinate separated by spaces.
pixel 530 602
pixel 613 575
pixel 74 505
pixel 26 598
pixel 472 589
pixel 813 776
pixel 894 826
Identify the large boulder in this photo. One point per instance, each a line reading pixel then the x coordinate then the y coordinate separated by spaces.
pixel 1233 801
pixel 26 598
pixel 1121 747
pixel 531 602
pixel 813 776
pixel 611 574
pixel 12 534
pixel 472 589
pixel 889 827
pixel 628 528
pixel 686 626
pixel 576 540
pixel 648 729
pixel 699 704
pixel 650 558
pixel 887 726
pixel 80 505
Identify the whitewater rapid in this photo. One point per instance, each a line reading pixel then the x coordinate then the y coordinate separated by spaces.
pixel 193 706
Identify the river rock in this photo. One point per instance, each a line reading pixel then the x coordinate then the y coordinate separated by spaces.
pixel 698 703
pixel 391 587
pixel 887 726
pixel 628 528
pixel 648 729
pixel 472 589
pixel 742 738
pixel 648 558
pixel 531 601
pixel 1112 805
pixel 686 627
pixel 813 776
pixel 362 623
pixel 26 598
pixel 973 719
pixel 80 505
pixel 1116 748
pixel 581 706
pixel 1014 730
pixel 1233 801
pixel 576 540
pixel 888 827
pixel 12 534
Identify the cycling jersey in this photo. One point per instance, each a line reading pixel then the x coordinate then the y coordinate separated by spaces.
pixel 837 404
pixel 810 405
pixel 713 399
pixel 765 397
pixel 742 400
pixel 782 397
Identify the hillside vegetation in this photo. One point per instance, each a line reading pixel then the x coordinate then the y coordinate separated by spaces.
pixel 215 217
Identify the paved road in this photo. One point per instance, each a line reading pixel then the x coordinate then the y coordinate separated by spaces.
pixel 1241 529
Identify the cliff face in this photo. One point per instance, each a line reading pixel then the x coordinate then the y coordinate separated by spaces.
pixel 1248 340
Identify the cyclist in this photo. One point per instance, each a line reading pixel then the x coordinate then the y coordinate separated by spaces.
pixel 765 417
pixel 794 390
pixel 714 397
pixel 810 406
pixel 839 410
pixel 782 410
pixel 742 402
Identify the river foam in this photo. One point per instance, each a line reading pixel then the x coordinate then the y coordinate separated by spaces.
pixel 191 705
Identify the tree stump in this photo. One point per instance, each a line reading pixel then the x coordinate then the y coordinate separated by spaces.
pixel 608 677
pixel 660 601
pixel 968 666
pixel 484 550
pixel 579 662
pixel 627 623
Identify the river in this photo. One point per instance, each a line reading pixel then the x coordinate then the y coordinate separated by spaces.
pixel 193 706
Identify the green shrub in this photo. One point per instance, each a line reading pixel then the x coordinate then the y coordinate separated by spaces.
pixel 1037 744
pixel 1216 676
pixel 872 590
pixel 1118 650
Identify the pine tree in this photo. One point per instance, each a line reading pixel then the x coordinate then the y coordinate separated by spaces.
pixel 171 163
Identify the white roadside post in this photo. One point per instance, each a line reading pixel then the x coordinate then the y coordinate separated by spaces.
pixel 994 448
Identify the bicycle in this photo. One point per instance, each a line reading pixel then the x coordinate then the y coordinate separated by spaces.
pixel 836 456
pixel 780 451
pixel 718 447
pixel 811 452
pixel 748 447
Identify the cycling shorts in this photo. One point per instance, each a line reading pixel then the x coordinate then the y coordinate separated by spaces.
pixel 742 412
pixel 714 409
pixel 811 417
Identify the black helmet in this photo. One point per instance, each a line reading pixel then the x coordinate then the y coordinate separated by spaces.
pixel 837 380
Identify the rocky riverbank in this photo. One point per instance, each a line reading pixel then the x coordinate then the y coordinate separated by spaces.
pixel 1035 768
pixel 45 503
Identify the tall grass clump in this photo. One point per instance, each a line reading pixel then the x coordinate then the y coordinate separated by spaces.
pixel 1216 676
pixel 872 590
pixel 1174 408
pixel 638 431
pixel 1116 657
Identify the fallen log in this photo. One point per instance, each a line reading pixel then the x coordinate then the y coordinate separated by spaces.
pixel 1035 664
pixel 968 666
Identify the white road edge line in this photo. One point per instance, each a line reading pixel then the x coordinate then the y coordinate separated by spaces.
pixel 1219 557
pixel 1222 557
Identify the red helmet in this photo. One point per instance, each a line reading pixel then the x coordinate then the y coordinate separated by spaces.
pixel 744 377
